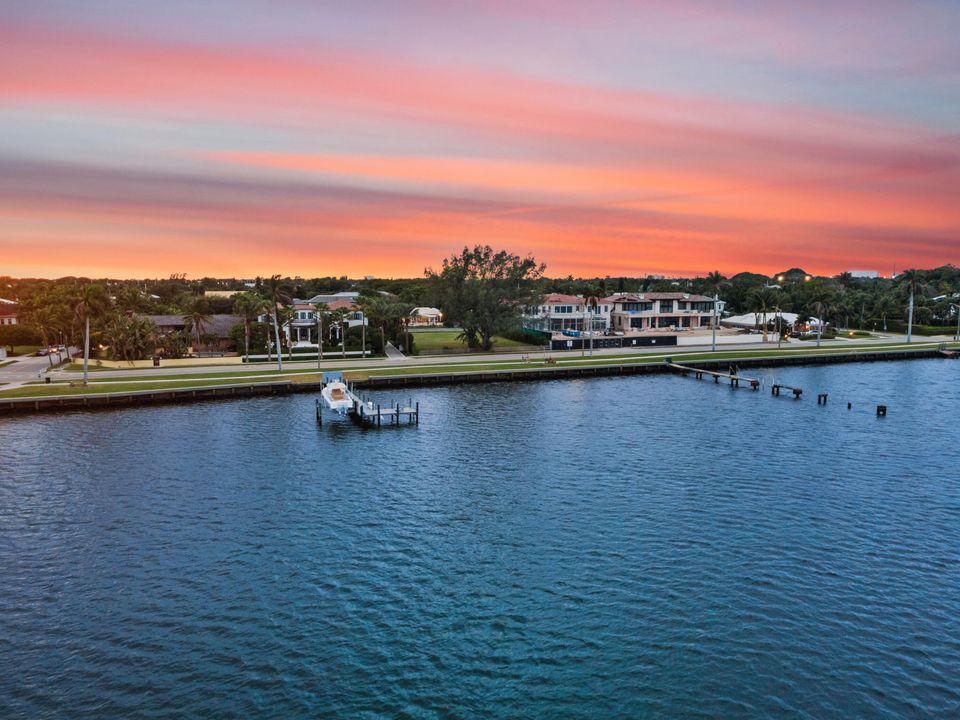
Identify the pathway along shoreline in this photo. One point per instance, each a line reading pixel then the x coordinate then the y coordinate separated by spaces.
pixel 92 401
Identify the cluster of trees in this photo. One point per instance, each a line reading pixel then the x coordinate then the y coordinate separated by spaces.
pixel 479 290
pixel 922 300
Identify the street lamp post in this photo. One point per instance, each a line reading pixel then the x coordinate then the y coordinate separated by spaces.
pixel 716 299
pixel 779 328
pixel 957 308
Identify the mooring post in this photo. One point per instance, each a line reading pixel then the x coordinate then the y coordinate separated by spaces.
pixel 418 412
pixel 396 420
pixel 379 416
pixel 319 416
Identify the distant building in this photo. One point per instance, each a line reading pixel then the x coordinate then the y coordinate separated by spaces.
pixel 864 274
pixel 8 312
pixel 332 297
pixel 752 320
pixel 426 316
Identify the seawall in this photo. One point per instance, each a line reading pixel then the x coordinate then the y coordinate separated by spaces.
pixel 91 401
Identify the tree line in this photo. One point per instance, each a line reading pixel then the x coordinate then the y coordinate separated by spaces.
pixel 480 290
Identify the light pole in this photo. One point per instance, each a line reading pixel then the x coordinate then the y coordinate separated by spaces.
pixel 714 323
pixel 779 328
pixel 957 308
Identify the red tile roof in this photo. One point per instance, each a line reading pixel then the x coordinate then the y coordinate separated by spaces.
pixel 556 298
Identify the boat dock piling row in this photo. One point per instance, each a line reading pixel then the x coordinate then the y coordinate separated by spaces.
pixel 732 376
pixel 755 384
pixel 797 392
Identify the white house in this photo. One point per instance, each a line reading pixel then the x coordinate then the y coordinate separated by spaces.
pixel 426 316
pixel 557 312
pixel 654 310
pixel 8 312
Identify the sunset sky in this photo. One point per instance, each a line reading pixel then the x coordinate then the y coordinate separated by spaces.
pixel 243 137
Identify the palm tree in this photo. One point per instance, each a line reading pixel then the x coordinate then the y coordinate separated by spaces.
pixel 340 315
pixel 284 316
pixel 377 310
pixel 196 317
pixel 363 333
pixel 885 305
pixel 276 294
pixel 321 310
pixel 913 284
pixel 250 305
pixel 820 300
pixel 714 283
pixel 92 303
pixel 591 301
pixel 763 299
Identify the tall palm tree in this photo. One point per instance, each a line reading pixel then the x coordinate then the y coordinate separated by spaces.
pixel 92 303
pixel 714 283
pixel 276 294
pixel 884 306
pixel 912 283
pixel 763 300
pixel 340 316
pixel 363 333
pixel 591 301
pixel 321 310
pixel 820 300
pixel 377 310
pixel 250 305
pixel 196 317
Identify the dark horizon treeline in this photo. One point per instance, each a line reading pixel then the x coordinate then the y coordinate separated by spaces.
pixel 49 314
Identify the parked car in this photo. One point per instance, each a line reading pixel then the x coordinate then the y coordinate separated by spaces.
pixel 42 352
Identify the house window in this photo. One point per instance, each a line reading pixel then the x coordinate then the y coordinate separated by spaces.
pixel 666 306
pixel 638 307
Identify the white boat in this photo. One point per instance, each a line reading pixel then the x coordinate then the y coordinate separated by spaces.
pixel 337 397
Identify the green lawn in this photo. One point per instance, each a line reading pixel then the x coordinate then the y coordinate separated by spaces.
pixel 464 365
pixel 119 388
pixel 447 340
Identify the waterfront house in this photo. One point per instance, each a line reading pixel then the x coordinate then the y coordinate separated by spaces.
pixel 8 312
pixel 218 325
pixel 660 310
pixel 302 329
pixel 558 312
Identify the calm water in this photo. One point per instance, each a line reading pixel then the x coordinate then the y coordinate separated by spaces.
pixel 641 547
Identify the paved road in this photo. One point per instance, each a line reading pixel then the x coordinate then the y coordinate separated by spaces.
pixel 24 369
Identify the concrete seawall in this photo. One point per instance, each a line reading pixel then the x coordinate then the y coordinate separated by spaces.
pixel 557 373
pixel 92 401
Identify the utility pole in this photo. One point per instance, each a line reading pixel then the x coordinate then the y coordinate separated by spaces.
pixel 716 298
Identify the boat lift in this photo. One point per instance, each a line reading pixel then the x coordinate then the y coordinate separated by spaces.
pixel 342 398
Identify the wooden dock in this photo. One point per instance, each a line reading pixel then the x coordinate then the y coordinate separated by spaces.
pixel 369 414
pixel 699 372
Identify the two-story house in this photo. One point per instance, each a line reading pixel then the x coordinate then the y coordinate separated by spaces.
pixel 656 310
pixel 558 312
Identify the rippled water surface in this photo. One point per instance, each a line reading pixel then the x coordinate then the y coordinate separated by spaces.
pixel 623 547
